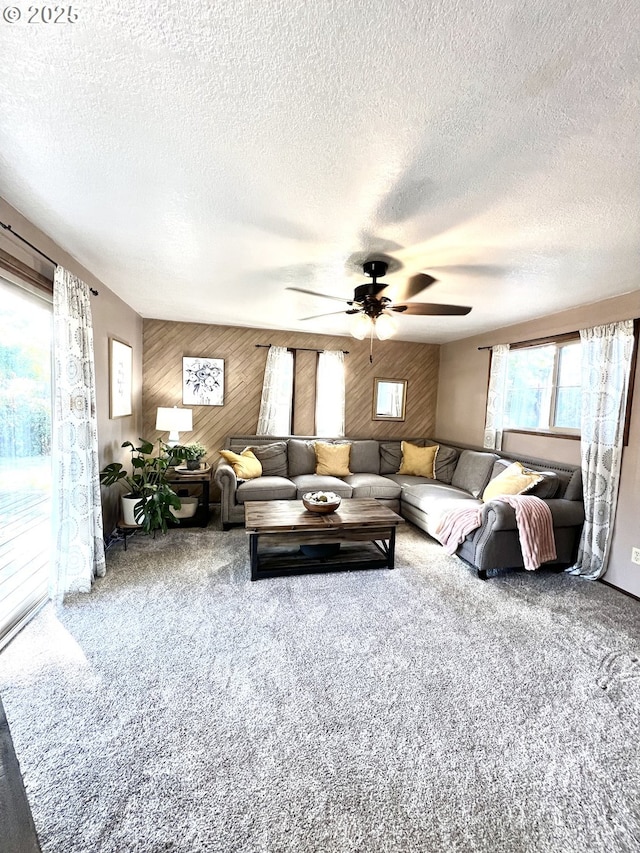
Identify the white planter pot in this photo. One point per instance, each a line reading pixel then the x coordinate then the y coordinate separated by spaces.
pixel 128 503
pixel 188 508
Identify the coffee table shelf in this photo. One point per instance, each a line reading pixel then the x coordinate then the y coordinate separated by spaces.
pixel 364 528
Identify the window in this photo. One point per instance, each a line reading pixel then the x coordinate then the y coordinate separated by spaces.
pixel 25 454
pixel 543 388
pixel 330 403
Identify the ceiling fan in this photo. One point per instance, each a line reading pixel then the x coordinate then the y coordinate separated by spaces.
pixel 374 309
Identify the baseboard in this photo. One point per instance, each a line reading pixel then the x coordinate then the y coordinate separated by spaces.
pixel 619 589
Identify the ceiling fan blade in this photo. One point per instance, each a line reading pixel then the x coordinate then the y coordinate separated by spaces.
pixel 331 314
pixel 413 286
pixel 315 293
pixel 431 309
pixel 486 270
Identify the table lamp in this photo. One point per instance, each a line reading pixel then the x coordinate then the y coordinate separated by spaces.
pixel 174 421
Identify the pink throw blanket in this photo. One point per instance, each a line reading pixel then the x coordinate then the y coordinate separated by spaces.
pixel 533 520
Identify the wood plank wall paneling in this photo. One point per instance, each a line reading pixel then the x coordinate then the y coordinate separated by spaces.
pixel 166 342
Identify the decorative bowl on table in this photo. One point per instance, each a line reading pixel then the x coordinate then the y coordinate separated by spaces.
pixel 322 502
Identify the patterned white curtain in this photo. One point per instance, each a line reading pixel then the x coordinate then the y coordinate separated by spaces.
pixel 606 365
pixel 277 393
pixel 496 397
pixel 77 509
pixel 330 402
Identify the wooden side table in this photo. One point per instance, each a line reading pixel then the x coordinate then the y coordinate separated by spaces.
pixel 182 482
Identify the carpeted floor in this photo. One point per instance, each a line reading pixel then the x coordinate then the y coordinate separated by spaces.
pixel 179 707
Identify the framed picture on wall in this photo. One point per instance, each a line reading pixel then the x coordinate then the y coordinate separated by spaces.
pixel 389 399
pixel 203 381
pixel 120 379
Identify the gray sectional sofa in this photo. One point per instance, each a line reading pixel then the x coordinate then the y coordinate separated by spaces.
pixel 288 465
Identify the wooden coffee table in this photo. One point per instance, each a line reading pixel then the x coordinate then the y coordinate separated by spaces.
pixel 364 528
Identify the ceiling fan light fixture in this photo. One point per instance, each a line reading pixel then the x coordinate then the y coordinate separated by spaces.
pixel 386 326
pixel 361 326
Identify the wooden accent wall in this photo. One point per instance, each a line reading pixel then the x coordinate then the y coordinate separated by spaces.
pixel 165 343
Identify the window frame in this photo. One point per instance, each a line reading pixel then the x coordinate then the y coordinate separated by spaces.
pixel 553 427
pixel 557 342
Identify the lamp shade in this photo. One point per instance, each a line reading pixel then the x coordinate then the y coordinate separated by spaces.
pixel 174 420
pixel 385 326
pixel 361 326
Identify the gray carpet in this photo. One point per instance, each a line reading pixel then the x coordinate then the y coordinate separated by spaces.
pixel 180 707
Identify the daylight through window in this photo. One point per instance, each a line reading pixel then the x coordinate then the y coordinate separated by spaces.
pixel 543 388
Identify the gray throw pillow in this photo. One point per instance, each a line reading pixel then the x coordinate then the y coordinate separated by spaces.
pixel 302 457
pixel 473 471
pixel 391 455
pixel 547 487
pixel 446 460
pixel 272 457
pixel 365 457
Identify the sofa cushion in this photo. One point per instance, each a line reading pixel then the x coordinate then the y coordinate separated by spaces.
pixel 266 489
pixel 419 461
pixel 245 465
pixel 473 471
pixel 391 455
pixel 435 500
pixel 272 457
pixel 373 486
pixel 301 457
pixel 514 480
pixel 430 497
pixel 546 488
pixel 332 459
pixel 365 457
pixel 405 481
pixel 317 482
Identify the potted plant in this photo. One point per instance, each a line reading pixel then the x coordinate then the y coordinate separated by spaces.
pixel 149 498
pixel 190 454
pixel 193 453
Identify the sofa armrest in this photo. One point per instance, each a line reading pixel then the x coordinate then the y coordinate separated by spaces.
pixel 500 516
pixel 225 478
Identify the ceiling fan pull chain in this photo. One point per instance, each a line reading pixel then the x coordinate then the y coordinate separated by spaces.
pixel 371 345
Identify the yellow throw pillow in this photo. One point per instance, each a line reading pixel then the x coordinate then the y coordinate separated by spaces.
pixel 332 460
pixel 514 480
pixel 419 461
pixel 245 464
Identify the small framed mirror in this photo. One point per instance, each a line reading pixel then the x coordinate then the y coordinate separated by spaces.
pixel 389 399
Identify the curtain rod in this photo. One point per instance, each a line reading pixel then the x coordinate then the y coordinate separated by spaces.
pixel 301 349
pixel 36 249
pixel 549 339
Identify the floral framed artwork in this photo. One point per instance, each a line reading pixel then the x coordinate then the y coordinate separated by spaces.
pixel 120 379
pixel 203 381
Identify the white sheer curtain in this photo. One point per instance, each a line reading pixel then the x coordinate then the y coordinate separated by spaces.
pixel 606 365
pixel 330 403
pixel 496 397
pixel 77 510
pixel 277 393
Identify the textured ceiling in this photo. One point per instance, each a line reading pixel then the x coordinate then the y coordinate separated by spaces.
pixel 200 157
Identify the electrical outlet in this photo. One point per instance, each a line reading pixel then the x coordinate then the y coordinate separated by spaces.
pixel 635 555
